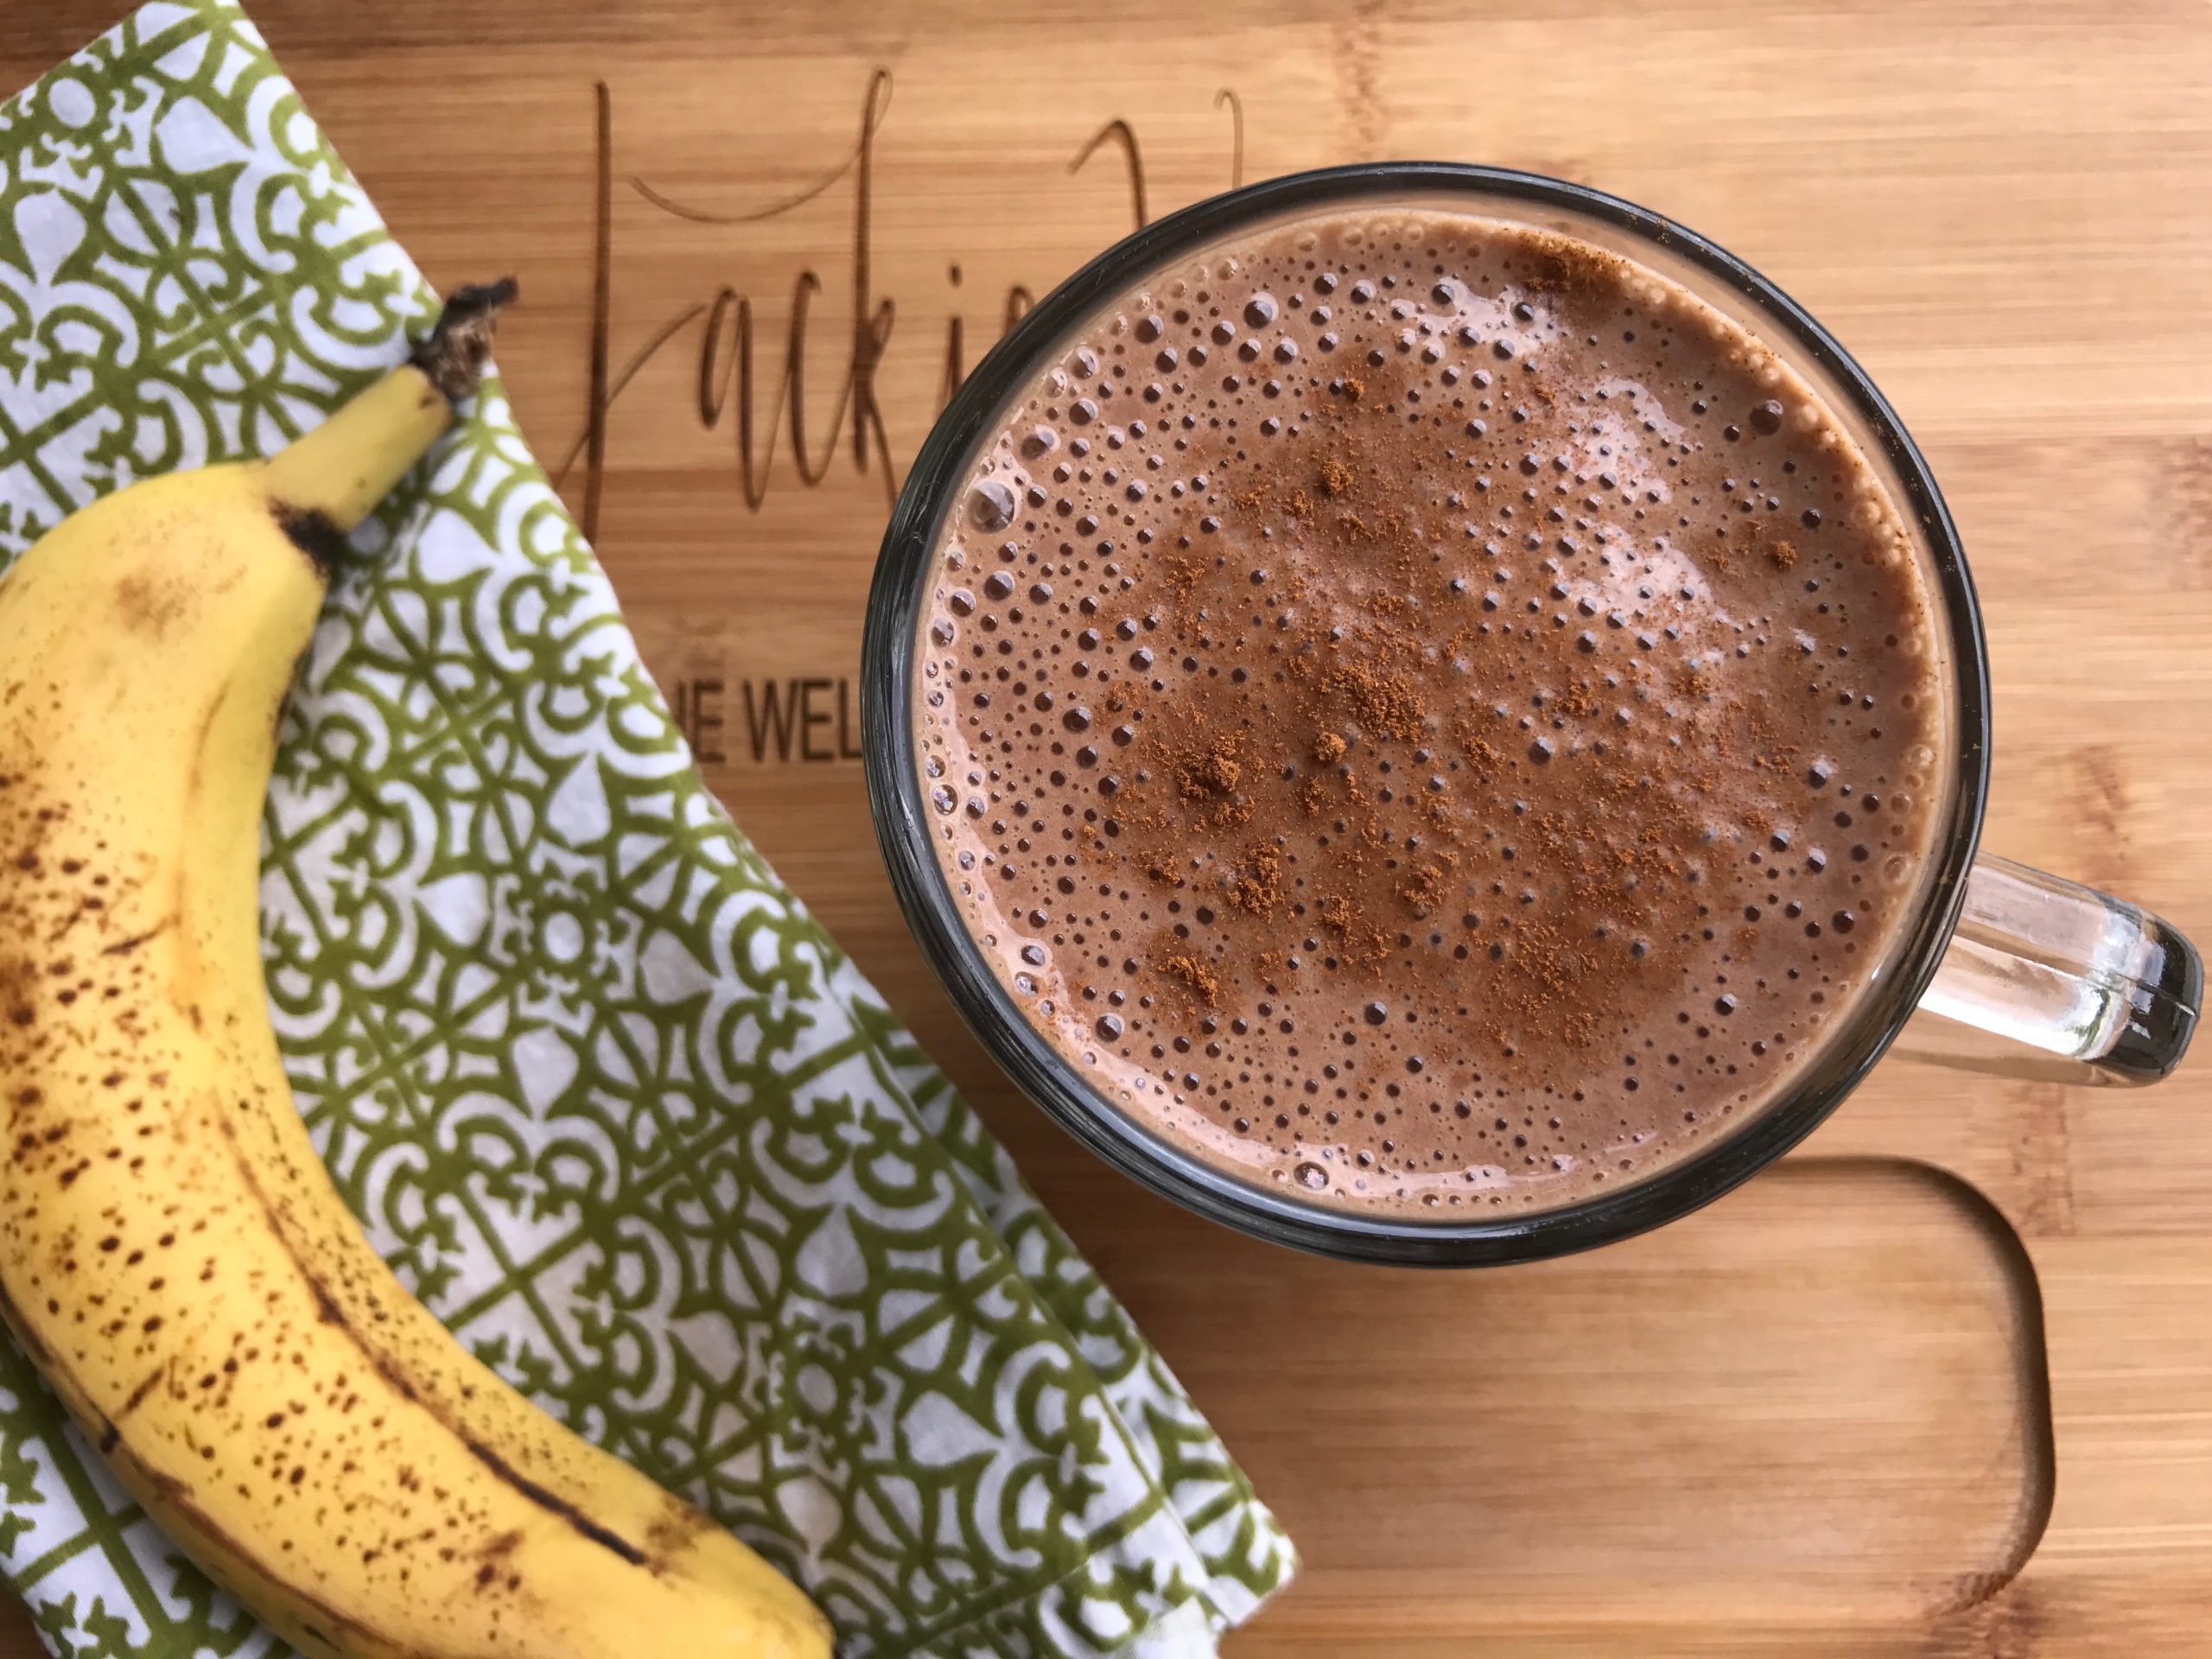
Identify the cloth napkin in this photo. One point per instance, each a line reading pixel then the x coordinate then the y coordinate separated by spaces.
pixel 601 1090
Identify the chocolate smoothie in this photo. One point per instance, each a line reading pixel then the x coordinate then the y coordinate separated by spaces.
pixel 1428 714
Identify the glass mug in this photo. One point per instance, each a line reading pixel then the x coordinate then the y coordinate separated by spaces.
pixel 2022 966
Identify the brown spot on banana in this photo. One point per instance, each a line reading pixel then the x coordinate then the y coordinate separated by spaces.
pixel 151 602
pixel 86 905
pixel 18 978
pixel 672 1530
pixel 311 530
pixel 331 1311
pixel 553 1502
pixel 147 1385
pixel 199 744
pixel 124 947
pixel 498 1549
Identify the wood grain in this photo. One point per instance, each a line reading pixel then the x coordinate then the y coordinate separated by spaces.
pixel 1829 1416
pixel 1821 1403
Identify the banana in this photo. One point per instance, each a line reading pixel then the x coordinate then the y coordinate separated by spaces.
pixel 173 1254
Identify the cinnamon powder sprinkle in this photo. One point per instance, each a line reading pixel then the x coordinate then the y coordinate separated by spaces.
pixel 1259 889
pixel 1194 975
pixel 1380 701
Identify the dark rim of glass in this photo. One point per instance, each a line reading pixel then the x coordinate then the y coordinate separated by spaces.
pixel 903 827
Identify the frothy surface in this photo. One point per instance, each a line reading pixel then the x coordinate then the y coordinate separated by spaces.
pixel 1427 714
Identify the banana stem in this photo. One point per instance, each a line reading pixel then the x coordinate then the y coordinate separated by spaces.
pixel 329 480
pixel 455 355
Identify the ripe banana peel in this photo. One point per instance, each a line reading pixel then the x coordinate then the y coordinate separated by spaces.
pixel 173 1254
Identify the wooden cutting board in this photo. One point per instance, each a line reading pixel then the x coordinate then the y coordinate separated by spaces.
pixel 1942 1383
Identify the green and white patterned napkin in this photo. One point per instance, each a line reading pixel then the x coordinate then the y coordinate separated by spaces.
pixel 601 1090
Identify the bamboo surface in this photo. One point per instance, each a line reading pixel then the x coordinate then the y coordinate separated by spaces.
pixel 1941 1384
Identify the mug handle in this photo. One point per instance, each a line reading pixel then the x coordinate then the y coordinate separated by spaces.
pixel 2063 970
